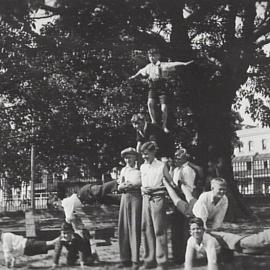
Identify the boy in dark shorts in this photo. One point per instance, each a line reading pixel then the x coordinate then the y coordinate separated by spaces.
pixel 157 74
pixel 16 245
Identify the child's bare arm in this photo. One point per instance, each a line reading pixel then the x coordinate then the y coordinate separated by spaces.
pixel 138 74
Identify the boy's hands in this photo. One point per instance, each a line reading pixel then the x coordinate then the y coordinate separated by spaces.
pixel 131 77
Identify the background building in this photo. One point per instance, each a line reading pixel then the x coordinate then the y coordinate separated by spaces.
pixel 251 162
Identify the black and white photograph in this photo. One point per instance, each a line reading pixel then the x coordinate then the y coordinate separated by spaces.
pixel 135 134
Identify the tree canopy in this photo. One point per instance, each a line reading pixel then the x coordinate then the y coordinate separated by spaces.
pixel 68 81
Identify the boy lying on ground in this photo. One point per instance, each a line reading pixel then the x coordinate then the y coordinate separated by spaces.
pixel 15 246
pixel 249 244
pixel 215 245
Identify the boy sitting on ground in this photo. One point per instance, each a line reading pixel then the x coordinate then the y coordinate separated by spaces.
pixel 15 246
pixel 76 245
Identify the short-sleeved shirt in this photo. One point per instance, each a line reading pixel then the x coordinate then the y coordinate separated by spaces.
pixel 13 245
pixel 152 174
pixel 209 247
pixel 132 175
pixel 70 204
pixel 205 209
pixel 158 70
pixel 186 175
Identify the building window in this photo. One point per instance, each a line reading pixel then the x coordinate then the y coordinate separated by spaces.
pixel 265 164
pixel 240 147
pixel 264 144
pixel 250 146
pixel 249 165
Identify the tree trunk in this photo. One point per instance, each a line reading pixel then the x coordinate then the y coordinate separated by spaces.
pixel 212 91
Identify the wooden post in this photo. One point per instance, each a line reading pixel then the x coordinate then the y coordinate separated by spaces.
pixel 30 224
pixel 33 177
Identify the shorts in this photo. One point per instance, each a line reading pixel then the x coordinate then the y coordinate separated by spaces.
pixel 158 89
pixel 35 247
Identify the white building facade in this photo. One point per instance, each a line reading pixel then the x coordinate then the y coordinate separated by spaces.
pixel 251 162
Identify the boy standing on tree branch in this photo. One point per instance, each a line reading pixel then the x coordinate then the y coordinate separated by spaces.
pixel 157 73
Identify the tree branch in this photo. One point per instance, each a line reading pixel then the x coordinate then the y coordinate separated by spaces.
pixel 42 17
pixel 262 30
pixel 206 7
pixel 55 10
pixel 262 42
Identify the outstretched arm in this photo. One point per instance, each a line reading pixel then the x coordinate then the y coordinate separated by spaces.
pixel 168 176
pixel 138 74
pixel 170 66
pixel 143 72
pixel 173 195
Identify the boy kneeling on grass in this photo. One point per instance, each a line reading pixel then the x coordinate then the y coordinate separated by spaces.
pixel 77 245
pixel 16 245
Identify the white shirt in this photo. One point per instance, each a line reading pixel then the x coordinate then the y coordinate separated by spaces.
pixel 131 175
pixel 209 247
pixel 13 245
pixel 70 204
pixel 157 70
pixel 152 174
pixel 186 175
pixel 205 209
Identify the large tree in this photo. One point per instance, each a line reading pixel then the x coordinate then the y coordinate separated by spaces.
pixel 225 38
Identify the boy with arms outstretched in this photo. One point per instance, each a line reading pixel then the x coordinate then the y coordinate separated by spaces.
pixel 157 73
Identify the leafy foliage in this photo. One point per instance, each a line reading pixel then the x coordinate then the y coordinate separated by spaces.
pixel 69 80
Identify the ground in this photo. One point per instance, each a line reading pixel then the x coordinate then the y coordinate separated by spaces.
pixel 108 254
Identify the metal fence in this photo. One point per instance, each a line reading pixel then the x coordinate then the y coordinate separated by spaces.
pixel 16 200
pixel 252 176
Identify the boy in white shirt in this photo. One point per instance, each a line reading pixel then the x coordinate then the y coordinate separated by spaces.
pixel 157 73
pixel 201 245
pixel 16 245
pixel 154 227
pixel 212 206
pixel 130 212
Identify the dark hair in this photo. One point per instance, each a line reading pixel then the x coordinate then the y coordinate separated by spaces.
pixel 138 117
pixel 150 146
pixel 196 220
pixel 66 227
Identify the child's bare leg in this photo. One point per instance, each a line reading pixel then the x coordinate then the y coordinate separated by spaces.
pixel 164 111
pixel 151 110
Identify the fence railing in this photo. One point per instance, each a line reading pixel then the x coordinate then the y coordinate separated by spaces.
pixel 42 201
pixel 44 194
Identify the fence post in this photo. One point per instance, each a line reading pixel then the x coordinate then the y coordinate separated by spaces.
pixel 252 175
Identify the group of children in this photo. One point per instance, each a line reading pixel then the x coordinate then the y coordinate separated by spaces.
pixel 76 240
pixel 143 214
pixel 206 214
pixel 143 205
